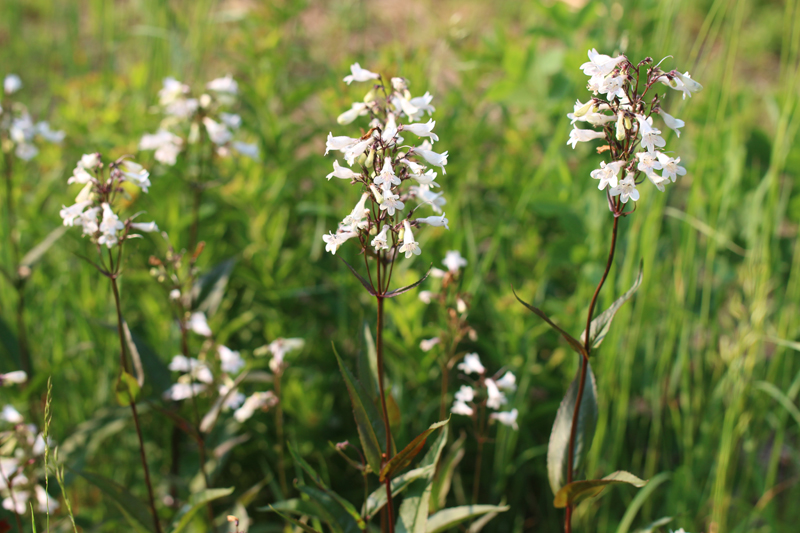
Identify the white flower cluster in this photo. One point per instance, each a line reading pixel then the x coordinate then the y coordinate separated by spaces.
pixel 23 447
pixel 93 208
pixel 626 120
pixel 388 173
pixel 465 398
pixel 185 115
pixel 16 124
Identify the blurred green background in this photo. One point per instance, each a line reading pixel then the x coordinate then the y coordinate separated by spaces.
pixel 684 374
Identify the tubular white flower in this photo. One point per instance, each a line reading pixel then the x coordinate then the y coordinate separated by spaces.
pixel 334 240
pixel 415 167
pixel 607 174
pixel 496 398
pixel 12 83
pixel 135 173
pixel 11 415
pixel 359 74
pixel 423 130
pixel 231 361
pixel 626 188
pixel 437 160
pixel 223 85
pixel 471 364
pixel 460 408
pixel 465 394
pixel 579 135
pixel 423 105
pixel 144 227
pixel 258 400
pixel 247 149
pixel 390 130
pixel 685 84
pixel 89 161
pixel 648 162
pixel 426 196
pixel 356 150
pixel 410 246
pixel 43 129
pixel 454 262
pixel 671 169
pixel 600 64
pixel 109 227
pixel 69 214
pixel 88 219
pixel 25 151
pixel 672 123
pixel 651 137
pixel 341 143
pixel 182 391
pixel 390 203
pixel 198 324
pixel 12 378
pixel 507 418
pixel 613 87
pixel 426 345
pixel 386 179
pixel 426 178
pixel 218 133
pixel 507 382
pixel 358 213
pixel 381 240
pixel 231 120
pixel 356 110
pixel 171 90
pixel 343 173
pixel 425 297
pixel 79 175
pixel 437 221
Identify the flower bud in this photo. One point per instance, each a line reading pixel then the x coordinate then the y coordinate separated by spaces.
pixel 369 97
pixel 620 127
pixel 362 160
pixel 581 111
pixel 376 193
pixel 373 231
pixel 370 159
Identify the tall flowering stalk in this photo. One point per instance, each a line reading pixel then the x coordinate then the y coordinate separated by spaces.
pixel 203 122
pixel 625 111
pixel 391 176
pixel 94 211
pixel 19 136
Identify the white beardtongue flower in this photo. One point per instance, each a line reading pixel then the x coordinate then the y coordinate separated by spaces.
pixel 423 130
pixel 425 179
pixel 21 130
pixel 358 109
pixel 109 227
pixel 391 203
pixel 343 173
pixel 356 150
pixel 334 240
pixel 217 132
pixel 453 261
pixel 507 418
pixel 426 345
pixel 198 324
pixel 496 398
pixel 461 408
pixel 425 297
pixel 507 382
pixel 11 378
pixel 359 74
pixel 223 85
pixel 258 400
pixel 437 160
pixel 390 131
pixel 380 242
pixel 359 212
pixel 231 362
pixel 387 179
pixel 435 221
pixel 341 143
pixel 410 246
pixel 634 143
pixel 465 394
pixel 471 364
pixel 12 83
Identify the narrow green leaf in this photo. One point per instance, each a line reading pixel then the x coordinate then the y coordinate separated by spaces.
pixel 209 289
pixel 639 499
pixel 444 477
pixel 407 454
pixel 398 292
pixel 127 389
pixel 196 502
pixel 573 342
pixel 346 505
pixel 377 499
pixel 413 514
pixel 366 415
pixel 579 490
pixel 368 364
pixel 779 397
pixel 135 511
pixel 37 252
pixel 663 521
pixel 293 505
pixel 558 448
pixel 8 340
pixel 449 518
pixel 600 326
pixel 294 521
pixel 367 285
pixel 336 517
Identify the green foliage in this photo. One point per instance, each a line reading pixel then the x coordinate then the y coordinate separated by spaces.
pixel 578 490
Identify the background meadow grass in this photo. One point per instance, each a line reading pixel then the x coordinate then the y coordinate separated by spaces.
pixel 697 388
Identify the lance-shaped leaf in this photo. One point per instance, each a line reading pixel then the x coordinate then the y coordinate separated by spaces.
pixel 367 418
pixel 449 518
pixel 196 502
pixel 209 289
pixel 413 514
pixel 444 477
pixel 401 290
pixel 346 505
pixel 600 326
pixel 38 251
pixel 579 490
pixel 407 454
pixel 294 521
pixel 127 389
pixel 368 364
pixel 135 511
pixel 333 514
pixel 573 342
pixel 377 499
pixel 367 285
pixel 558 448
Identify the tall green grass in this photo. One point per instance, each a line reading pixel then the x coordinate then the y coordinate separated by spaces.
pixel 691 379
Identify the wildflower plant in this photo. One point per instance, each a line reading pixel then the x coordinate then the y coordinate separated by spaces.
pixel 19 136
pixel 625 112
pixel 202 124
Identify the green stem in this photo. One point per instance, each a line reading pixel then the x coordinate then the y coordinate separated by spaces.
pixel 379 349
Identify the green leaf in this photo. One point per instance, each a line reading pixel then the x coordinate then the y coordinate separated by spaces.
pixel 368 364
pixel 37 252
pixel 663 521
pixel 638 501
pixel 209 289
pixel 367 285
pixel 294 506
pixel 444 477
pixel 558 448
pixel 366 415
pixel 196 502
pixel 346 505
pixel 579 490
pixel 377 499
pixel 9 341
pixel 413 514
pixel 407 454
pixel 398 292
pixel 333 513
pixel 600 326
pixel 294 521
pixel 127 389
pixel 573 342
pixel 449 518
pixel 135 511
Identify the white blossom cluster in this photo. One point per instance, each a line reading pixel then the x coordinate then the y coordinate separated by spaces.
pixel 389 173
pixel 219 372
pixel 491 392
pixel 23 447
pixel 93 209
pixel 17 126
pixel 454 262
pixel 185 115
pixel 625 121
